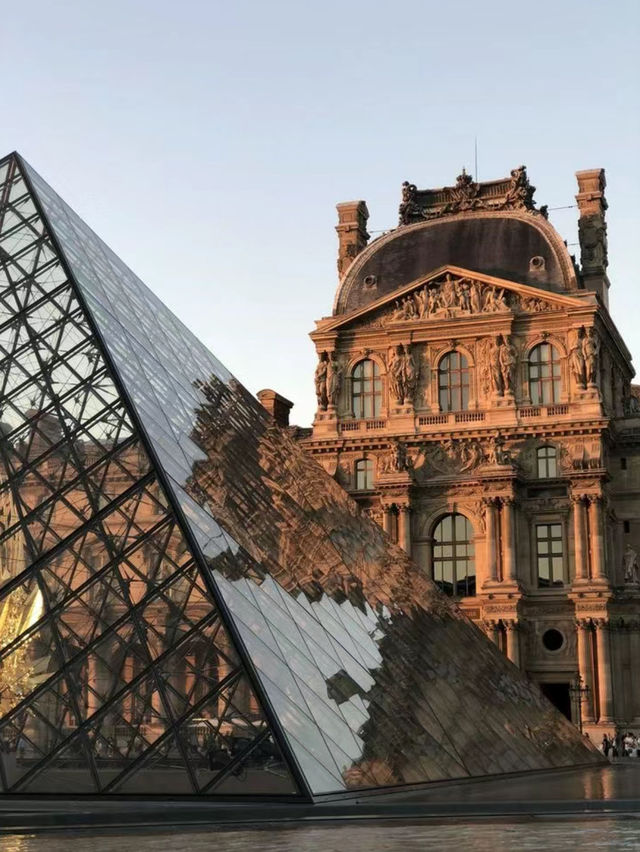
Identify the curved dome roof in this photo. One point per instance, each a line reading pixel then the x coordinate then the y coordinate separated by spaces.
pixel 500 244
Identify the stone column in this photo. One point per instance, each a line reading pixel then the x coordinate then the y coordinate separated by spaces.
pixel 580 537
pixel 634 650
pixel 428 557
pixel 404 528
pixel 387 520
pixel 492 629
pixel 491 526
pixel 585 666
pixel 508 541
pixel 93 685
pixel 604 671
pixel 596 538
pixel 513 642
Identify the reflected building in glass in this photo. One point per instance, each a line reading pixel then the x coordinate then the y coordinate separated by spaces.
pixel 189 604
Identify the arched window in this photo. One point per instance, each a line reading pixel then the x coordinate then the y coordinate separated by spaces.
pixel 454 568
pixel 453 382
pixel 545 383
pixel 547 462
pixel 366 390
pixel 364 474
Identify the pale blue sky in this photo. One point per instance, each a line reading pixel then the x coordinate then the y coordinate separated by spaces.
pixel 208 142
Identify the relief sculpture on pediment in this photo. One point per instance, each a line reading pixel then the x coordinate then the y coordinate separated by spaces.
pixel 453 296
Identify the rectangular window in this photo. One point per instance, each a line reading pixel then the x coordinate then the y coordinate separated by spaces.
pixel 549 555
pixel 547 463
pixel 364 474
pixel 627 526
pixel 623 464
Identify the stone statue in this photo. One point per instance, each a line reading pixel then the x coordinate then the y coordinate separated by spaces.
pixel 421 301
pixel 399 456
pixel 321 381
pixel 576 361
pixel 508 358
pixel 334 380
pixel 631 568
pixel 495 452
pixel 410 375
pixel 475 298
pixel 396 370
pixel 408 206
pixel 495 368
pixel 448 293
pixel 433 300
pixel 591 353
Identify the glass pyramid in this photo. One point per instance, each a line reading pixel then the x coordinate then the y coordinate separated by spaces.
pixel 188 603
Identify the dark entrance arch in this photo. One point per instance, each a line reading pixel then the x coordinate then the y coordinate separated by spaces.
pixel 559 695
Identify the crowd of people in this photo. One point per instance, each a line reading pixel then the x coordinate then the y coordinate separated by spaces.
pixel 621 745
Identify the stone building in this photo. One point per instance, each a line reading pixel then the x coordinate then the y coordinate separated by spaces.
pixel 475 397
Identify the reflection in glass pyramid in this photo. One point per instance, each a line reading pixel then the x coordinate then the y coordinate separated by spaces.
pixel 188 604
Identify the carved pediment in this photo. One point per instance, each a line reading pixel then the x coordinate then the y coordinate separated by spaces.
pixel 453 293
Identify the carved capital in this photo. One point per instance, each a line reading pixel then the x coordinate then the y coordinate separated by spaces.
pixel 601 624
pixel 583 624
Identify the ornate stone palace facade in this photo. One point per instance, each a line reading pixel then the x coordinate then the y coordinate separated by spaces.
pixel 475 397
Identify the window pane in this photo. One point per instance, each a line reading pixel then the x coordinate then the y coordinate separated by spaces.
pixel 453 563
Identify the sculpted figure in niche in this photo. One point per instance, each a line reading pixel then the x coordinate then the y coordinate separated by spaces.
pixel 631 568
pixel 591 352
pixel 396 383
pixel 495 368
pixel 410 375
pixel 334 380
pixel 321 381
pixel 508 358
pixel 576 361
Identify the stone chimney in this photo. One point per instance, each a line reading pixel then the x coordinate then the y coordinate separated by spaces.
pixel 277 406
pixel 352 232
pixel 592 232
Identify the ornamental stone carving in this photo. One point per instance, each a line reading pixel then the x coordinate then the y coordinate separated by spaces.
pixel 403 374
pixel 321 381
pixel 512 193
pixel 631 568
pixel 453 296
pixel 395 460
pixel 333 380
pixel 591 353
pixel 454 455
pixel 497 362
pixel 576 359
